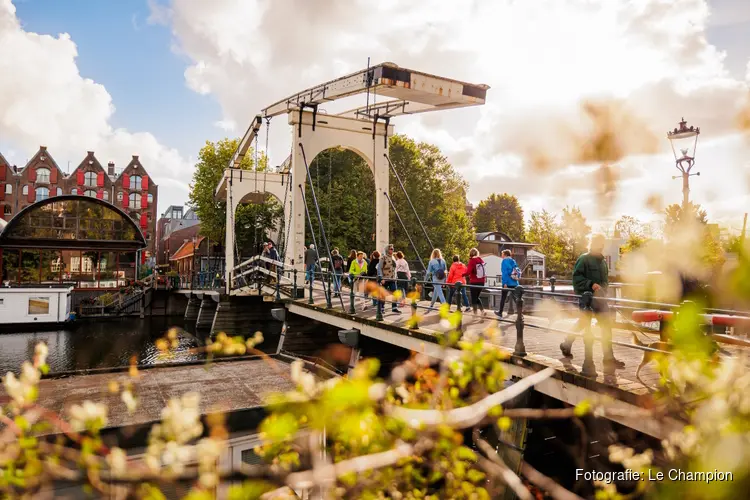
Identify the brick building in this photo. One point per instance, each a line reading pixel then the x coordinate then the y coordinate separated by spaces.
pixel 131 189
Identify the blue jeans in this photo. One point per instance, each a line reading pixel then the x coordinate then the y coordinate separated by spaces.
pixel 452 290
pixel 437 292
pixel 310 272
pixel 337 281
pixel 391 286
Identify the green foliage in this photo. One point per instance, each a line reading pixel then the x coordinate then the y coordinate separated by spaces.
pixel 575 233
pixel 345 189
pixel 675 216
pixel 501 212
pixel 546 232
pixel 252 222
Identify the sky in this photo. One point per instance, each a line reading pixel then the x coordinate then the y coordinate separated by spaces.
pixel 158 78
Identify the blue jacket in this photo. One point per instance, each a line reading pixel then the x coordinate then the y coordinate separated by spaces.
pixel 506 268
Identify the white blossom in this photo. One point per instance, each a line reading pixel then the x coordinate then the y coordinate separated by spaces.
pixel 129 400
pixel 88 413
pixel 117 460
pixel 42 351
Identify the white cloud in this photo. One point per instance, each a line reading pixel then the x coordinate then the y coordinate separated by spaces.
pixel 541 59
pixel 44 100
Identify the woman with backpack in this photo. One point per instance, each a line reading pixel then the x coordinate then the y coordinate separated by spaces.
pixel 509 275
pixel 477 277
pixel 438 270
pixel 456 275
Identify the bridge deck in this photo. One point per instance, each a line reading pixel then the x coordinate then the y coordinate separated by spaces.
pixel 542 344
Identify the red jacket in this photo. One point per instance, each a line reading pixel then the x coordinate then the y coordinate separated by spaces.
pixel 472 271
pixel 457 273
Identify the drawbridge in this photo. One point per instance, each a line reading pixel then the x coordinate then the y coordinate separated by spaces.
pixel 364 130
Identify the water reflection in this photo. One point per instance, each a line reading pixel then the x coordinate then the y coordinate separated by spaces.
pixel 111 343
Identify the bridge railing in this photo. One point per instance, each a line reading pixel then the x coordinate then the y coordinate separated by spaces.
pixel 633 311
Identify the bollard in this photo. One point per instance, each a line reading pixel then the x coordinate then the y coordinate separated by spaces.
pixel 589 368
pixel 294 286
pixel 351 295
pixel 552 283
pixel 520 349
pixel 381 302
pixel 329 305
pixel 278 283
pixel 312 278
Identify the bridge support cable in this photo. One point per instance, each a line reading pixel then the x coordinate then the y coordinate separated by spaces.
pixel 312 232
pixel 320 219
pixel 416 250
pixel 393 169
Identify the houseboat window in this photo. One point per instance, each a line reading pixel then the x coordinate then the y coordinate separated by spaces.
pixel 38 305
pixel 42 175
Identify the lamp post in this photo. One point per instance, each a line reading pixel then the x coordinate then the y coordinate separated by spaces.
pixel 684 141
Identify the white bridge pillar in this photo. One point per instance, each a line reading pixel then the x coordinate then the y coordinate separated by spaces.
pixel 329 132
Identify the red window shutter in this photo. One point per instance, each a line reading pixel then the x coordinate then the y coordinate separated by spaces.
pixel 125 181
pixel 3 168
pixel 144 221
pixel 32 175
pixel 144 201
pixel 100 194
pixel 100 179
pixel 144 182
pixel 53 175
pixel 79 178
pixel 32 194
pixel 2 193
pixel 125 200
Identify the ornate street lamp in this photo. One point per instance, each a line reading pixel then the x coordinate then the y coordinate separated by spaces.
pixel 684 141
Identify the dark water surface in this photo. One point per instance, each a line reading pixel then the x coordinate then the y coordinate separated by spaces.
pixel 108 344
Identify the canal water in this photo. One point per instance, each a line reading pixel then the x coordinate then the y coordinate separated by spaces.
pixel 112 343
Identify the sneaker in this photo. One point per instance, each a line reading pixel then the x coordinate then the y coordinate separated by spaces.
pixel 614 362
pixel 565 348
pixel 498 314
pixel 396 311
pixel 467 309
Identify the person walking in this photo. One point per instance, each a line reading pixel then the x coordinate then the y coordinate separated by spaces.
pixel 372 272
pixel 311 259
pixel 348 264
pixel 456 275
pixel 477 278
pixel 338 271
pixel 274 256
pixel 387 273
pixel 403 275
pixel 592 275
pixel 437 270
pixel 358 269
pixel 509 275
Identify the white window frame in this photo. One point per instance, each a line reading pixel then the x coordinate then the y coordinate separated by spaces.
pixel 87 176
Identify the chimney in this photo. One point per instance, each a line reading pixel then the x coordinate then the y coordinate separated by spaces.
pixel 111 168
pixel 135 157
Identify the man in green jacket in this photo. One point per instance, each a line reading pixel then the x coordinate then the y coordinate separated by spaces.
pixel 592 275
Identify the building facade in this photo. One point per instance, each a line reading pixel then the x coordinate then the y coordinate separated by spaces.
pixel 494 242
pixel 174 219
pixel 132 189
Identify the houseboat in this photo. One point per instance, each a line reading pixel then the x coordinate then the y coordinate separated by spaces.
pixel 25 307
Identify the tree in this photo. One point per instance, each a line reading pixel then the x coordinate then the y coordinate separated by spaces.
pixel 575 232
pixel 628 227
pixel 674 215
pixel 439 195
pixel 546 232
pixel 501 212
pixel 253 223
